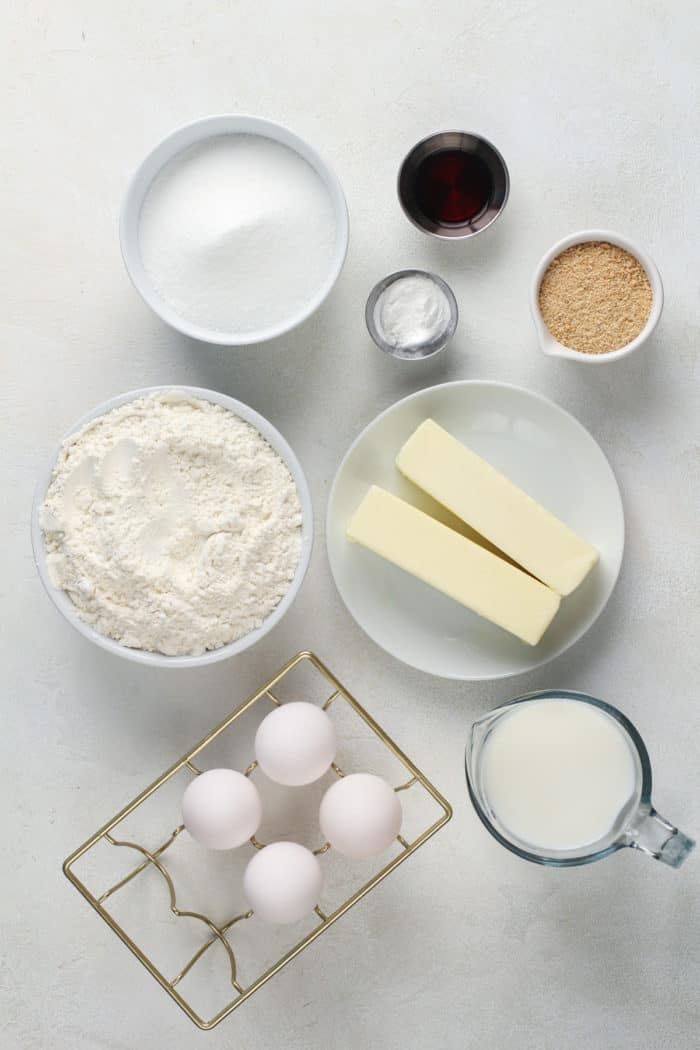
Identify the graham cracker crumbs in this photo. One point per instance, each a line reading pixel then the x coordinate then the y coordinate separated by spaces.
pixel 595 297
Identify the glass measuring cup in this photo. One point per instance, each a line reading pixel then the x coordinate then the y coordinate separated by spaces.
pixel 638 824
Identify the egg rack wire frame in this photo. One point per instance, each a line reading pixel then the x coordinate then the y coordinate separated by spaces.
pixel 219 933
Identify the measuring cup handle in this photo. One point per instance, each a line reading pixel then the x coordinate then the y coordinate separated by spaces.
pixel 658 838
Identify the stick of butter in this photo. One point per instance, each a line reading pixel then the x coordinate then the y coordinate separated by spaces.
pixel 463 570
pixel 501 512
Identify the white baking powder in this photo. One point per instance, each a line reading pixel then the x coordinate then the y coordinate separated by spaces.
pixel 412 311
pixel 237 234
pixel 172 524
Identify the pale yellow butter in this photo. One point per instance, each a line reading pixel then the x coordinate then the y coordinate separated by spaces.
pixel 496 508
pixel 463 570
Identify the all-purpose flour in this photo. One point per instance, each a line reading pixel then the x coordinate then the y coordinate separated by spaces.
pixel 238 233
pixel 172 524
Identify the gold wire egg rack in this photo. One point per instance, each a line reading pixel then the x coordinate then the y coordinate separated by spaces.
pixel 218 932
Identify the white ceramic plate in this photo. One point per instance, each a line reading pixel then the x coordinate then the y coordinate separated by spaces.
pixel 62 601
pixel 537 445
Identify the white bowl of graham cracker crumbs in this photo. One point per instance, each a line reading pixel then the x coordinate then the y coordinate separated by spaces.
pixel 595 297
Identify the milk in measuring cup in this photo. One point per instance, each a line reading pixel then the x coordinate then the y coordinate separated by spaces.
pixel 559 774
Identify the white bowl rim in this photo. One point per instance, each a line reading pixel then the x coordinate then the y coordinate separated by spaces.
pixel 584 628
pixel 550 345
pixel 171 145
pixel 278 443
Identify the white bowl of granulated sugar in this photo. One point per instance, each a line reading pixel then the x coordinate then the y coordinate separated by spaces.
pixel 234 230
pixel 173 526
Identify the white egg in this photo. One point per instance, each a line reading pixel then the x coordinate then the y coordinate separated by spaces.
pixel 221 809
pixel 295 744
pixel 282 882
pixel 360 815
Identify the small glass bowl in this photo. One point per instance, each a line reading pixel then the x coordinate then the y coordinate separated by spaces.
pixel 422 350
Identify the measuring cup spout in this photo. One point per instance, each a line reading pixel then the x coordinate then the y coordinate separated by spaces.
pixel 657 837
pixel 477 735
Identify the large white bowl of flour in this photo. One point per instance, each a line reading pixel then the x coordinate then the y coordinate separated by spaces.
pixel 173 526
pixel 234 230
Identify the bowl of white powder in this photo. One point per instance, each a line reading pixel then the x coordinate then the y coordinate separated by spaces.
pixel 411 314
pixel 173 526
pixel 234 230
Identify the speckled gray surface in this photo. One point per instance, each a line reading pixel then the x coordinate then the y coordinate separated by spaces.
pixel 593 107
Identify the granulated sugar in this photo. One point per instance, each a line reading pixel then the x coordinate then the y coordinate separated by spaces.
pixel 595 297
pixel 237 234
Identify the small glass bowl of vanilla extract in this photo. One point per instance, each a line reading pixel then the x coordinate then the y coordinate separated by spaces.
pixel 453 184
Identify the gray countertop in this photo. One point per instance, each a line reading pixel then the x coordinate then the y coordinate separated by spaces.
pixel 592 106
